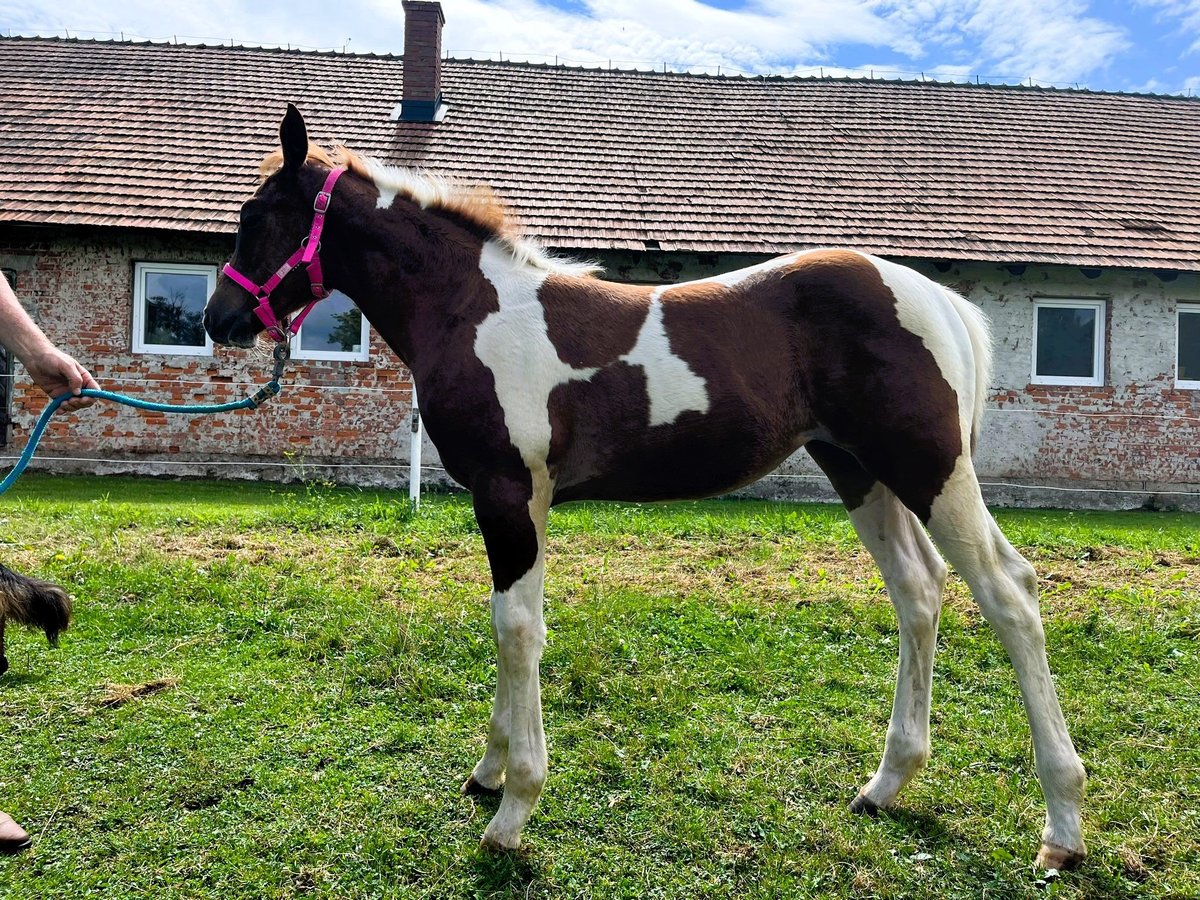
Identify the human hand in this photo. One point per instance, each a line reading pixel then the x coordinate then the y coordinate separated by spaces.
pixel 57 373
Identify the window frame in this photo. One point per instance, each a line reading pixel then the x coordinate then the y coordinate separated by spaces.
pixel 363 355
pixel 1098 342
pixel 140 270
pixel 1182 309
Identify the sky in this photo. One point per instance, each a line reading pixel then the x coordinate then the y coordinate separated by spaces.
pixel 1115 45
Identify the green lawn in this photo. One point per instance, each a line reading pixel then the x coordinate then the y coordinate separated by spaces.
pixel 276 692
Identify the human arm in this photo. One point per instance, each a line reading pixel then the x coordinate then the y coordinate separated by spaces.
pixel 52 370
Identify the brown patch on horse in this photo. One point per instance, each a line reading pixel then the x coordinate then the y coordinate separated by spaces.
pixel 875 386
pixel 851 481
pixel 604 445
pixel 813 348
pixel 592 324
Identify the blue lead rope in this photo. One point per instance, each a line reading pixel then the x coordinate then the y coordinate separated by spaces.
pixel 255 400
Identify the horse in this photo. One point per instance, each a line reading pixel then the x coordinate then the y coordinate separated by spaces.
pixel 541 383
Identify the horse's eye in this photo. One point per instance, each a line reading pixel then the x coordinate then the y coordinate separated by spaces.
pixel 251 216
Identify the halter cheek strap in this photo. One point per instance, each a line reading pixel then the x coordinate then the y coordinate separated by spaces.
pixel 308 255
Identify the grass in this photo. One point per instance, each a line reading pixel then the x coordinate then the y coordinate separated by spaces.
pixel 275 692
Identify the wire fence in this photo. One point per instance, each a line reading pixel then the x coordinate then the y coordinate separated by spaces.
pixel 305 469
pixel 406 391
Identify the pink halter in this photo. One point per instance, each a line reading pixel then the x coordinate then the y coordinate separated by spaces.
pixel 308 256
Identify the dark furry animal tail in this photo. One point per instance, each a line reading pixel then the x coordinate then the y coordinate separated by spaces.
pixel 34 603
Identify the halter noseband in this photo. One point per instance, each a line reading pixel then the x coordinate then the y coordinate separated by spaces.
pixel 308 255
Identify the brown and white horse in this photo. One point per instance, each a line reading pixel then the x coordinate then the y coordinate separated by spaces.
pixel 541 384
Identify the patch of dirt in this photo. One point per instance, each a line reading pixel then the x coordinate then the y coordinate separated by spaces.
pixel 119 694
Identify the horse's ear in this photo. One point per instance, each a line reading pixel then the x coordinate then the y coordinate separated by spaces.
pixel 293 137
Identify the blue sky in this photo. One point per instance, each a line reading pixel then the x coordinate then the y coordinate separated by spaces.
pixel 1135 45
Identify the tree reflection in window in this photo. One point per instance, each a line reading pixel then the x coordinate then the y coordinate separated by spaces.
pixel 334 326
pixel 174 311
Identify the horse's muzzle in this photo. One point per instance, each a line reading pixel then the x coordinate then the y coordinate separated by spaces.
pixel 237 330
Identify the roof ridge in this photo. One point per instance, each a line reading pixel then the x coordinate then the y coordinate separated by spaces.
pixel 835 79
pixel 616 70
pixel 186 45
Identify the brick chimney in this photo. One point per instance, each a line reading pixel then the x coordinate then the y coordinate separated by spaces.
pixel 422 100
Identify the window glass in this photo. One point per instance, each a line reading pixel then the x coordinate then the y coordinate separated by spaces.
pixel 1068 343
pixel 1189 345
pixel 169 304
pixel 334 329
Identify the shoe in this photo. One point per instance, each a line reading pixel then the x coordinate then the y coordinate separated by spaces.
pixel 13 838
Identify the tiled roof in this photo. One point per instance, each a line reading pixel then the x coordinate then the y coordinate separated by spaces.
pixel 165 136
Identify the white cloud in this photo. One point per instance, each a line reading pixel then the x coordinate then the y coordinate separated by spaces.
pixel 1048 40
pixel 1186 13
pixel 767 36
pixel 263 22
pixel 1052 40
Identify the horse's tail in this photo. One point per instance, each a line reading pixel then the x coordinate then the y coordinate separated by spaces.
pixel 980 332
pixel 34 603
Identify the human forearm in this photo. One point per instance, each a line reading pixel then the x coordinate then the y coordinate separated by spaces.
pixel 18 332
pixel 52 370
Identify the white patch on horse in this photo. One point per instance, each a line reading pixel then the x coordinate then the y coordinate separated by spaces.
pixel 672 387
pixel 514 343
pixel 750 273
pixel 387 196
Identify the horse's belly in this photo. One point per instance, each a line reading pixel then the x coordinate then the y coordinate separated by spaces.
pixel 690 462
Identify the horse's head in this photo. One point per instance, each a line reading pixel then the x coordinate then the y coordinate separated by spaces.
pixel 273 224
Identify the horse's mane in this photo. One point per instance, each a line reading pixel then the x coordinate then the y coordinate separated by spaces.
pixel 476 203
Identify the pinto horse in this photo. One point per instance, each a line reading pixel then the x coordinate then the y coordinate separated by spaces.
pixel 541 383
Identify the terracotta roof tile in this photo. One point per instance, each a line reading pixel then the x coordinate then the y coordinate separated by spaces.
pixel 165 136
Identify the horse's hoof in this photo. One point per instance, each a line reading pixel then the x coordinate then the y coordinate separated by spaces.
pixel 473 788
pixel 495 843
pixel 1052 856
pixel 862 805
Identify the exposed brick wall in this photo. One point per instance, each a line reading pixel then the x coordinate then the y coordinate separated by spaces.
pixel 78 285
pixel 1138 429
pixel 1138 432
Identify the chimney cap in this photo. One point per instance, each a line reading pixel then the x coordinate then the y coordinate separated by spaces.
pixel 422 6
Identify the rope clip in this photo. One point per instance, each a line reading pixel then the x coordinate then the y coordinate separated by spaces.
pixel 282 353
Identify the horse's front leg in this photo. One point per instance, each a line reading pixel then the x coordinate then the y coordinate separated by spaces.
pixel 488 775
pixel 511 512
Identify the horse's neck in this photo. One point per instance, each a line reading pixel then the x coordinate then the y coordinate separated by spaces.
pixel 408 280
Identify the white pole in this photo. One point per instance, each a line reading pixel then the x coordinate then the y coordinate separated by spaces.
pixel 414 454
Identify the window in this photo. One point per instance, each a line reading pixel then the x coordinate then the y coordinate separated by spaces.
pixel 335 329
pixel 1068 342
pixel 168 308
pixel 1187 349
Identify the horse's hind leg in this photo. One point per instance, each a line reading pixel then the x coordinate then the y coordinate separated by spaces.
pixel 1005 587
pixel 915 577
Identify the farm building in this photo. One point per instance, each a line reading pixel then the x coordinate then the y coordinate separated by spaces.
pixel 1072 217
